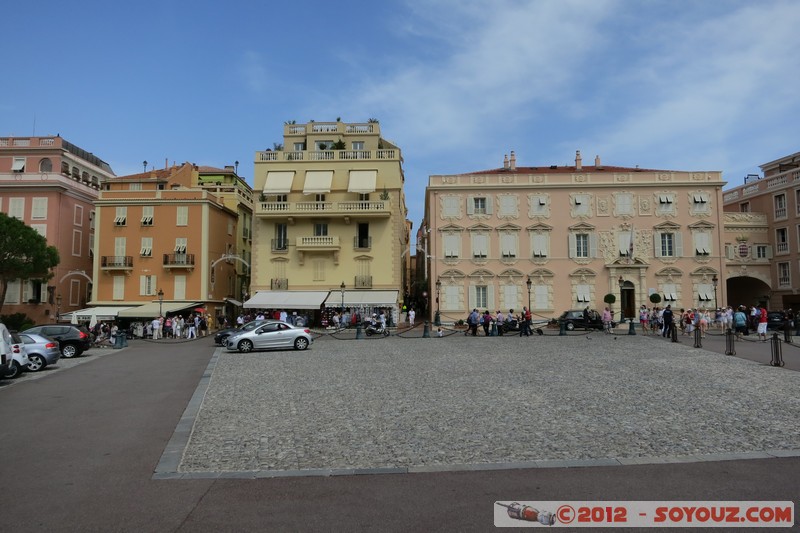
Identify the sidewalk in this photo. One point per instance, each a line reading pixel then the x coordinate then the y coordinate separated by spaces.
pixel 748 347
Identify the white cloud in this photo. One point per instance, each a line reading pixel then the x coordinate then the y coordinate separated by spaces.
pixel 253 72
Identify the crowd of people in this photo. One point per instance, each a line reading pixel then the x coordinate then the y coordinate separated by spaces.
pixel 502 322
pixel 741 320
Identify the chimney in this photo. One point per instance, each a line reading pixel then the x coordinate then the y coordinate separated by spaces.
pixel 578 161
pixel 513 160
pixel 166 162
pixel 505 161
pixel 597 161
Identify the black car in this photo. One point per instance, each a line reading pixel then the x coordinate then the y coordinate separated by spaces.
pixel 72 340
pixel 573 319
pixel 775 320
pixel 221 337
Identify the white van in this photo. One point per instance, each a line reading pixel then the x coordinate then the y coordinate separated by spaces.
pixel 5 349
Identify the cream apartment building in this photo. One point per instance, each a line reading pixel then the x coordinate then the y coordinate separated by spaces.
pixel 331 216
pixel 577 233
pixel 764 250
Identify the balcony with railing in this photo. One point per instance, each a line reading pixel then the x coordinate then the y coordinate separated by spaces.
pixel 280 245
pixel 116 262
pixel 782 247
pixel 363 282
pixel 318 243
pixel 179 261
pixel 362 243
pixel 374 209
pixel 383 154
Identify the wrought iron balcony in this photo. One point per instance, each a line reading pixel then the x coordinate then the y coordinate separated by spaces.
pixel 178 260
pixel 116 262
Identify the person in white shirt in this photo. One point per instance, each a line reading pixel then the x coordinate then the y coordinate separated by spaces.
pixel 156 325
pixel 284 316
pixel 411 316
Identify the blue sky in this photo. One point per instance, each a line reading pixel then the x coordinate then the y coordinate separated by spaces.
pixel 684 85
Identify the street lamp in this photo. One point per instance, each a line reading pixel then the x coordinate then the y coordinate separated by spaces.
pixel 529 283
pixel 58 307
pixel 621 282
pixel 714 281
pixel 437 321
pixel 341 288
pixel 160 301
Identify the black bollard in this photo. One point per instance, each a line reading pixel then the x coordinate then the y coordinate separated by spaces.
pixel 730 340
pixel 787 332
pixel 631 328
pixel 777 351
pixel 562 328
pixel 426 332
pixel 698 342
pixel 359 333
pixel 673 332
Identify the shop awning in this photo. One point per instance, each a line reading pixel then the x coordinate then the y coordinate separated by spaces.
pixel 237 303
pixel 286 300
pixel 362 181
pixel 362 298
pixel 318 181
pixel 151 310
pixel 101 313
pixel 279 182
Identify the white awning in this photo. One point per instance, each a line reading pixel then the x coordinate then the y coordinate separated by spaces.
pixel 237 303
pixel 18 165
pixel 286 300
pixel 101 313
pixel 318 181
pixel 362 298
pixel 151 310
pixel 279 182
pixel 362 181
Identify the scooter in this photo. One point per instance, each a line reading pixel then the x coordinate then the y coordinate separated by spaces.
pixel 377 329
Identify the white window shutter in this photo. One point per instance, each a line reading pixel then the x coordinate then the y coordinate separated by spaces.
pixel 490 298
pixel 572 244
pixel 592 245
pixel 470 205
pixel 489 205
pixel 473 298
pixel 769 251
pixel 657 244
pixel 678 244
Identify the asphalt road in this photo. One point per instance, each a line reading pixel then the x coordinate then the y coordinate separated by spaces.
pixel 80 446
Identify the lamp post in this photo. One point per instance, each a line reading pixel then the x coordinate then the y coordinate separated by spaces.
pixel 714 281
pixel 160 302
pixel 144 165
pixel 621 282
pixel 58 307
pixel 529 283
pixel 437 321
pixel 342 288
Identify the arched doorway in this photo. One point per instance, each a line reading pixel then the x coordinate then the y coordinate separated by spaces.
pixel 627 300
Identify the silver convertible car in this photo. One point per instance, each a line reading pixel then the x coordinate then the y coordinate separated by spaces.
pixel 270 335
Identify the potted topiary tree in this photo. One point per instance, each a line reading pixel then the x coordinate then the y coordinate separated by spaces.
pixel 655 298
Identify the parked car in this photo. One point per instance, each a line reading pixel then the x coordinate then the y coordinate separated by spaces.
pixel 274 334
pixel 775 320
pixel 573 319
pixel 5 348
pixel 222 335
pixel 19 358
pixel 41 351
pixel 72 340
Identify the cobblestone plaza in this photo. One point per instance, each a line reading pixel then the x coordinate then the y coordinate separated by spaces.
pixel 454 403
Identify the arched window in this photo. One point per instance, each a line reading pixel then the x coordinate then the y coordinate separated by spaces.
pixel 45 165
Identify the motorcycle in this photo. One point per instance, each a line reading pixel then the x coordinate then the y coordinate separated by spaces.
pixel 376 329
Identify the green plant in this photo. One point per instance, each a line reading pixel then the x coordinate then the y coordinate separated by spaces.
pixel 655 298
pixel 385 194
pixel 339 145
pixel 16 321
pixel 373 121
pixel 609 298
